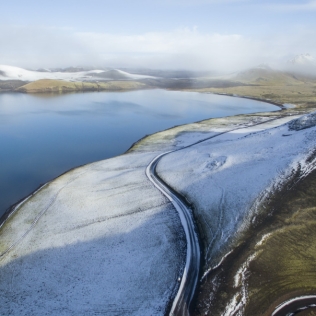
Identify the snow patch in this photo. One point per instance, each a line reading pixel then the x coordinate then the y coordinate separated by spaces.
pixel 99 239
pixel 302 59
pixel 303 122
pixel 216 163
pixel 263 240
pixel 16 73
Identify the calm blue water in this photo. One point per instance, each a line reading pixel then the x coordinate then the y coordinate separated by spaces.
pixel 43 136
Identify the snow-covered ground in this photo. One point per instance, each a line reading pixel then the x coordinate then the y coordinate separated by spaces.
pixel 102 239
pixel 133 76
pixel 105 242
pixel 224 176
pixel 16 73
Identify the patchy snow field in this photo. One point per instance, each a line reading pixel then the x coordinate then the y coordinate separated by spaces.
pixel 16 73
pixel 106 242
pixel 101 239
pixel 224 176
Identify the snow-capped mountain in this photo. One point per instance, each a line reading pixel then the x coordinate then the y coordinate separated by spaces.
pixel 302 59
pixel 16 73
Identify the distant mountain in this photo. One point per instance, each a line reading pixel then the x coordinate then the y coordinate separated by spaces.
pixel 113 75
pixel 264 76
pixel 304 64
pixel 67 74
pixel 43 70
pixel 302 59
pixel 170 74
pixel 74 69
pixel 16 73
pixel 116 74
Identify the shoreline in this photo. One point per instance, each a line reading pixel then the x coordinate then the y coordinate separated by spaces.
pixel 83 90
pixel 11 208
pixel 280 105
pixel 15 207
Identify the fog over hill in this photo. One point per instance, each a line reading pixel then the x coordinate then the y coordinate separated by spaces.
pixel 302 59
pixel 302 64
pixel 300 71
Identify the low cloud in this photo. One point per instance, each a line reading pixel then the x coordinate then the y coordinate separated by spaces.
pixel 35 47
pixel 185 48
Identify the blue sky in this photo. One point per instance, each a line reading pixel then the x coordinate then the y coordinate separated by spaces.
pixel 198 34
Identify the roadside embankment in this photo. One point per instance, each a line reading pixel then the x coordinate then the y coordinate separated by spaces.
pixel 276 260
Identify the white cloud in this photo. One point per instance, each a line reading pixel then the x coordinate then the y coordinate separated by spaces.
pixel 185 48
pixel 41 47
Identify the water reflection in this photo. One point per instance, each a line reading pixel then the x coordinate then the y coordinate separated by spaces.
pixel 42 136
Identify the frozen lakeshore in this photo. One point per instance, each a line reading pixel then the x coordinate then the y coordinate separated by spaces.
pixel 103 239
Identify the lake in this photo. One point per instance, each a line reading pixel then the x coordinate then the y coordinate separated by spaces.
pixel 42 136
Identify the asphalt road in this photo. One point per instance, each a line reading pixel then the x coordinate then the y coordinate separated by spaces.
pixel 190 276
pixel 182 301
pixel 295 305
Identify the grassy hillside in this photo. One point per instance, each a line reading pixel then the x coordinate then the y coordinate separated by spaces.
pixel 278 257
pixel 60 86
pixel 269 77
pixel 259 83
pixel 276 86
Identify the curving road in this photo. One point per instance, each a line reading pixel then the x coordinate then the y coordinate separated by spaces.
pixel 182 301
pixel 295 305
pixel 190 276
